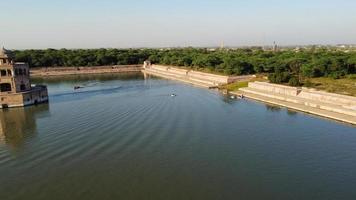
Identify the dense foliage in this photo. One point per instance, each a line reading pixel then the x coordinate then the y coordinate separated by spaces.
pixel 283 66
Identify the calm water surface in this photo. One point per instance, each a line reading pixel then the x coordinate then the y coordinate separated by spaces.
pixel 123 137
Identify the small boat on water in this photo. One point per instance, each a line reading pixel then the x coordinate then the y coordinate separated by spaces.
pixel 77 87
pixel 173 95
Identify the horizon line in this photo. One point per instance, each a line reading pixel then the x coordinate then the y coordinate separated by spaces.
pixel 197 46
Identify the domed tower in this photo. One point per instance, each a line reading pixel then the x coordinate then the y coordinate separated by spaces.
pixel 15 77
pixel 7 83
pixel 6 56
pixel 15 85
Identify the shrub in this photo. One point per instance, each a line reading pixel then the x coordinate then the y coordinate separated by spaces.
pixel 308 83
pixel 294 81
pixel 336 75
pixel 279 77
pixel 352 76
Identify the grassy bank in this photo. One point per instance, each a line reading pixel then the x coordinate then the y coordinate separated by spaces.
pixel 234 86
pixel 346 86
pixel 237 85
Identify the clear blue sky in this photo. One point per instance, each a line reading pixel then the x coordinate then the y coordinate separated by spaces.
pixel 159 23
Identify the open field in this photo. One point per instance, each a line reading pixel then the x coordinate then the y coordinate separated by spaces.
pixel 346 86
pixel 235 86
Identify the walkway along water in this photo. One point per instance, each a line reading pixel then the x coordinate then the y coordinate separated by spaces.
pixel 202 79
pixel 61 71
pixel 329 105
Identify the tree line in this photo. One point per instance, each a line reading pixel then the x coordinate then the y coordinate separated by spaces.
pixel 285 66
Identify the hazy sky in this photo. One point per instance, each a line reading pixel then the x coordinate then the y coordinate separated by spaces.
pixel 158 23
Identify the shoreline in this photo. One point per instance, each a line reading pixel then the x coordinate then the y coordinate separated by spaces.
pixel 338 111
pixel 63 71
pixel 303 109
pixel 314 110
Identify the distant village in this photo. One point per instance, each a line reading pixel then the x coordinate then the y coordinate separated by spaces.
pixel 275 47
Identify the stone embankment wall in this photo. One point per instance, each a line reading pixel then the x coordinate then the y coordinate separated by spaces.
pixel 11 100
pixel 37 95
pixel 193 76
pixel 58 71
pixel 334 103
pixel 274 88
pixel 307 94
pixel 325 97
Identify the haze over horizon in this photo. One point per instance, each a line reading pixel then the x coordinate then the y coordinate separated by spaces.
pixel 158 23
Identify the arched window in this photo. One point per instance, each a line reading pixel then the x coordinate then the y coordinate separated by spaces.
pixel 5 87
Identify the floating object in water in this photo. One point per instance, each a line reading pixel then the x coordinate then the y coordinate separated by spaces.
pixel 173 95
pixel 238 96
pixel 77 87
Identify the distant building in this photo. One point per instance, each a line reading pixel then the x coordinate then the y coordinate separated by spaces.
pixel 15 85
pixel 275 47
pixel 147 64
pixel 211 49
pixel 222 45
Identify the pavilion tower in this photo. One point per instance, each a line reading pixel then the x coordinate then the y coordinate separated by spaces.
pixel 15 85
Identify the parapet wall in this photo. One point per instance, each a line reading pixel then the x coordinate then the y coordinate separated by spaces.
pixel 195 76
pixel 326 97
pixel 274 88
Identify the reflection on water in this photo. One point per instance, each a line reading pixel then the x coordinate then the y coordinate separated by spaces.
pixel 273 108
pixel 227 99
pixel 292 112
pixel 18 124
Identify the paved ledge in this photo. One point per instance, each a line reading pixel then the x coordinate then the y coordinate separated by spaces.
pixel 307 102
pixel 197 78
pixel 300 107
pixel 177 78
